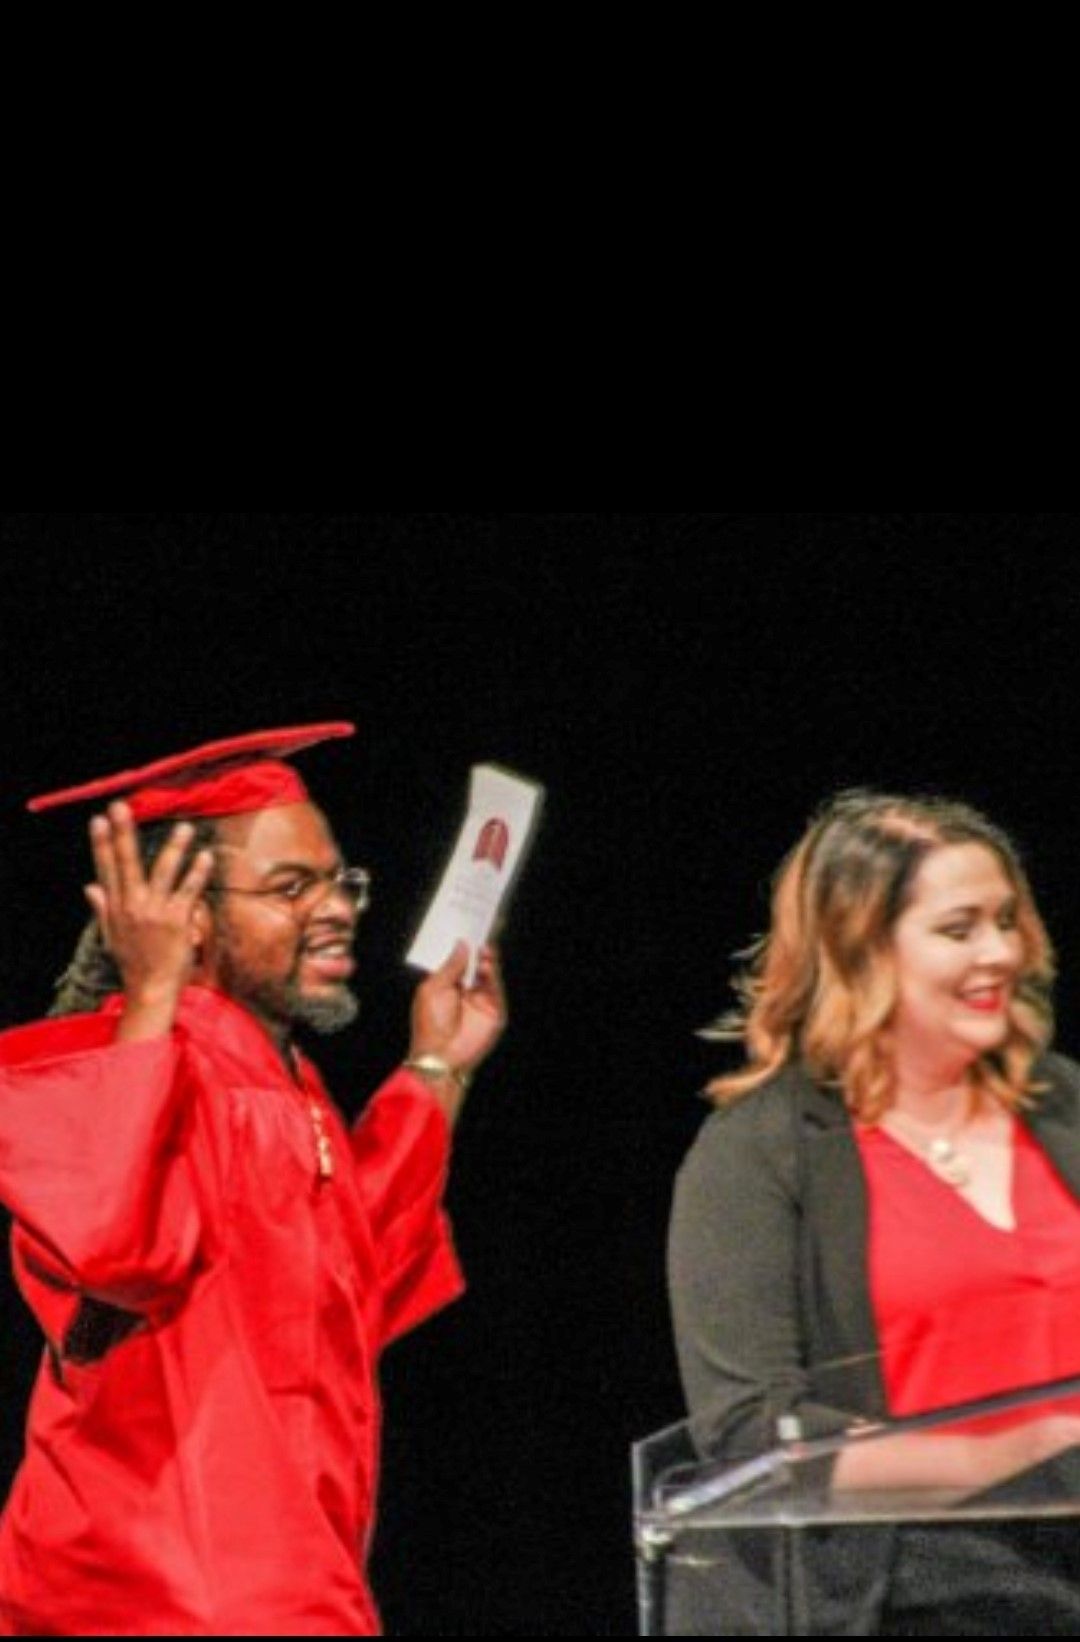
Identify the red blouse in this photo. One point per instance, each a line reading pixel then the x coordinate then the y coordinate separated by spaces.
pixel 963 1308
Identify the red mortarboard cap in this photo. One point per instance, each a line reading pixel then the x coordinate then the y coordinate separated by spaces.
pixel 230 777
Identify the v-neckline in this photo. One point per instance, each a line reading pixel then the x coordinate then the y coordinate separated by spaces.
pixel 958 1196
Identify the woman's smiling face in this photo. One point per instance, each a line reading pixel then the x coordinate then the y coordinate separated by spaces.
pixel 958 952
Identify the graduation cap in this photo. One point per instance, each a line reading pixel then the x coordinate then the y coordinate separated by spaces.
pixel 230 777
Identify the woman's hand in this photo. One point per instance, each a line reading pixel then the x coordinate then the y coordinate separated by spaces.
pixel 954 1461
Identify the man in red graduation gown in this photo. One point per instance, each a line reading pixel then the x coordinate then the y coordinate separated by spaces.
pixel 215 1260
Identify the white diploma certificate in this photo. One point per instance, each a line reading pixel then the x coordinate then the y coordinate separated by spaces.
pixel 498 827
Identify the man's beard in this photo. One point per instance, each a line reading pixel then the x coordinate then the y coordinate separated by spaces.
pixel 327 1014
pixel 284 1004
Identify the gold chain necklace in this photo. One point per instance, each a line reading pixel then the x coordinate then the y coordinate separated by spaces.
pixel 324 1151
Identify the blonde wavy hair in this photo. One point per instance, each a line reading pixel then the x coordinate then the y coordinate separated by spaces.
pixel 821 988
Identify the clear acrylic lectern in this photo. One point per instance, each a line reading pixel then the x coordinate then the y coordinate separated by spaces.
pixel 824 1536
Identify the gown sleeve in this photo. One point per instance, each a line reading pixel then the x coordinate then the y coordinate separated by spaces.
pixel 94 1168
pixel 401 1149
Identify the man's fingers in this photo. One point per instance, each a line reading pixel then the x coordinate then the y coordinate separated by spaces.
pixel 96 897
pixel 99 906
pixel 129 870
pixel 452 970
pixel 197 876
pixel 166 869
pixel 489 973
pixel 101 844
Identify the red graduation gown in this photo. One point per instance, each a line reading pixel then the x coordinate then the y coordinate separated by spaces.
pixel 214 1470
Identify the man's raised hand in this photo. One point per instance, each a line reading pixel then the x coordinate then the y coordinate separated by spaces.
pixel 147 919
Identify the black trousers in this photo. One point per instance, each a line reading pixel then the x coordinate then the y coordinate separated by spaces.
pixel 992 1576
pixel 1000 1579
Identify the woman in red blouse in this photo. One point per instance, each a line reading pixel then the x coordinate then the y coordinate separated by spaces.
pixel 883 1216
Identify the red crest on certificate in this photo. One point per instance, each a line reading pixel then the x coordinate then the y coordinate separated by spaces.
pixel 493 843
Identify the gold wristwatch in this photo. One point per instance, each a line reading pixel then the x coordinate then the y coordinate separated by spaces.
pixel 433 1069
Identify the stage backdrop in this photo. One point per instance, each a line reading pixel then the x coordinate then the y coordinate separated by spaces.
pixel 688 687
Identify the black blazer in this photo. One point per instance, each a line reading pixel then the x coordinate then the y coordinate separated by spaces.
pixel 768 1272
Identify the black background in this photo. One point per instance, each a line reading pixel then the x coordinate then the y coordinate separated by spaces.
pixel 688 686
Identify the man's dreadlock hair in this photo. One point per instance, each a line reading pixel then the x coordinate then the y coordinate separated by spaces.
pixel 92 974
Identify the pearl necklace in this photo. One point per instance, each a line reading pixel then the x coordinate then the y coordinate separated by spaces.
pixel 946 1160
pixel 941 1152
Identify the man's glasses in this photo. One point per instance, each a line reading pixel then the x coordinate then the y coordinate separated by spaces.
pixel 303 891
